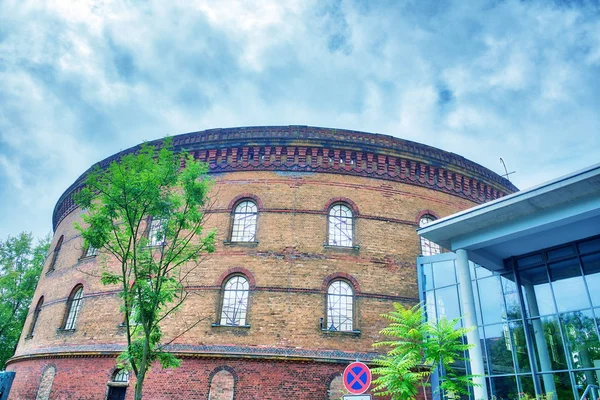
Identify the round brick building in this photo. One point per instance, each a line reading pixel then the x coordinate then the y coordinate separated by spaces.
pixel 316 239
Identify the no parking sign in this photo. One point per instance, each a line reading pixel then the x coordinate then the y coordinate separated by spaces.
pixel 357 378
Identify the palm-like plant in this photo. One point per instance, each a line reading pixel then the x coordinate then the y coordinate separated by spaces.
pixel 418 348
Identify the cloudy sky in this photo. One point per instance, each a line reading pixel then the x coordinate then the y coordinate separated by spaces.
pixel 81 80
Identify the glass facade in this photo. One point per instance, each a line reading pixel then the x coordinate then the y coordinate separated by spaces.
pixel 538 320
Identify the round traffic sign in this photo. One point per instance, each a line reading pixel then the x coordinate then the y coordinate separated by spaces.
pixel 357 378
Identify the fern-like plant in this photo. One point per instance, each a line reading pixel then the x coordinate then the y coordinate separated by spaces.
pixel 419 347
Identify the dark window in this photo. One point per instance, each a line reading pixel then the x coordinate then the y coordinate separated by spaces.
pixel 73 307
pixel 55 254
pixel 340 306
pixel 243 228
pixel 341 226
pixel 36 314
pixel 234 305
pixel 118 386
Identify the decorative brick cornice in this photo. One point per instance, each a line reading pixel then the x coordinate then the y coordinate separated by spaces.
pixel 198 351
pixel 338 151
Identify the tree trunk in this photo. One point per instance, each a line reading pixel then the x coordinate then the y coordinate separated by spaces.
pixel 143 368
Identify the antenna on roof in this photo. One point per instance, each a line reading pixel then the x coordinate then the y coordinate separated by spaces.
pixel 506 173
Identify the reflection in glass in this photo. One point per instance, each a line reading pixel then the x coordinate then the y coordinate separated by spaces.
pixel 519 346
pixel 527 387
pixel 582 341
pixel 443 273
pixel 504 387
pixel 560 385
pixel 447 303
pixel 569 290
pixel 492 304
pixel 499 347
pixel 430 307
pixel 511 297
pixel 585 378
pixel 536 291
pixel 591 269
pixel 549 339
pixel 477 306
pixel 589 246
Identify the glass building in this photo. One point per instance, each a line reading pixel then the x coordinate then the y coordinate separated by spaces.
pixel 533 296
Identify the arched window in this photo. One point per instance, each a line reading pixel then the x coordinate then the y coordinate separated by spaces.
pixel 340 306
pixel 73 307
pixel 221 386
pixel 341 226
pixel 36 314
pixel 428 248
pixel 234 305
pixel 117 387
pixel 55 254
pixel 336 388
pixel 243 228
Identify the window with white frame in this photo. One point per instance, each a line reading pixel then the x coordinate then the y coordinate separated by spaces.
pixel 156 233
pixel 73 307
pixel 341 226
pixel 428 248
pixel 234 305
pixel 340 306
pixel 243 228
pixel 90 251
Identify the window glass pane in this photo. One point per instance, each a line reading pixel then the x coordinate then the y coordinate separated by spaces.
pixel 511 297
pixel 443 273
pixel 499 347
pixel 566 281
pixel 244 222
pixel 483 272
pixel 558 384
pixel 235 301
pixel 504 387
pixel 530 260
pixel 492 304
pixel 340 226
pixel 585 378
pixel 549 348
pixel 536 292
pixel 591 269
pixel 447 302
pixel 156 235
pixel 519 346
pixel 427 276
pixel 430 307
pixel 579 329
pixel 561 252
pixel 340 299
pixel 589 246
pixel 477 306
pixel 527 387
pixel 74 309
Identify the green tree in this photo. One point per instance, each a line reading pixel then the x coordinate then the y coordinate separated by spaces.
pixel 146 211
pixel 21 263
pixel 418 348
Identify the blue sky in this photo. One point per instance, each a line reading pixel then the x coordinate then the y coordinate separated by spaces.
pixel 81 80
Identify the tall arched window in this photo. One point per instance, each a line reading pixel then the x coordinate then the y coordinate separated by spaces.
pixel 45 387
pixel 243 228
pixel 340 306
pixel 341 226
pixel 117 387
pixel 234 305
pixel 36 314
pixel 73 307
pixel 55 254
pixel 428 248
